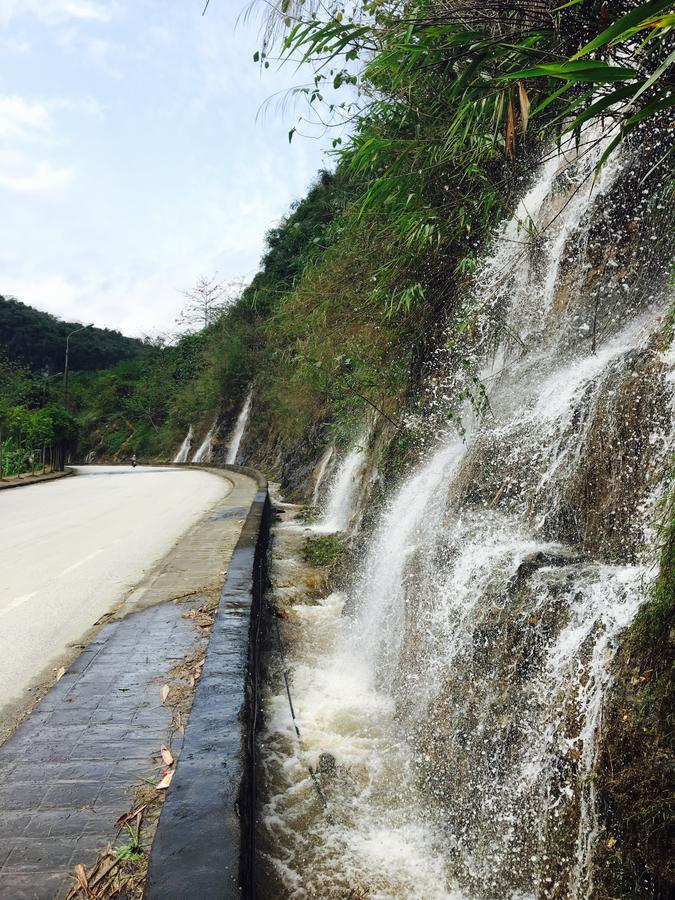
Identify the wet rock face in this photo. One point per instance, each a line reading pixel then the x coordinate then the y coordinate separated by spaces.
pixel 599 506
pixel 635 764
pixel 587 486
pixel 292 463
pixel 498 746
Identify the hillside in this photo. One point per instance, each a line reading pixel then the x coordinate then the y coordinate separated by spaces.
pixel 37 339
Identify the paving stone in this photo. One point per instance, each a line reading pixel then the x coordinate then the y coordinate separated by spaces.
pixel 38 854
pixel 46 822
pixel 22 797
pixel 71 795
pixel 17 886
pixel 13 823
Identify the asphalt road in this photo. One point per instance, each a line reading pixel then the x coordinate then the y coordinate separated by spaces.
pixel 72 549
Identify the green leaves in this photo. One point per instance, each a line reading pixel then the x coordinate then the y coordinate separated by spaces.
pixel 587 71
pixel 643 16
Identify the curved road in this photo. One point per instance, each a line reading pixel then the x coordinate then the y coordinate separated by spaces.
pixel 71 549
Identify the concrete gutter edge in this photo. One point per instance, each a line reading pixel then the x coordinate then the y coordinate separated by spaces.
pixel 205 841
pixel 36 479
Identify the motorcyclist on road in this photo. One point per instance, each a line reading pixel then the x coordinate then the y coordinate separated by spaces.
pixel 133 460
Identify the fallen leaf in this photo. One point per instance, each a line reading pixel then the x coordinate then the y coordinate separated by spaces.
pixel 165 780
pixel 81 877
pixel 167 755
pixel 130 816
pixel 164 693
pixel 60 673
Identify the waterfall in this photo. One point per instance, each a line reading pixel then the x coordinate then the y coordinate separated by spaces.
pixel 205 450
pixel 459 682
pixel 323 466
pixel 239 428
pixel 342 492
pixel 184 452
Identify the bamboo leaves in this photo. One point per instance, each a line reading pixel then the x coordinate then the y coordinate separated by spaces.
pixel 643 16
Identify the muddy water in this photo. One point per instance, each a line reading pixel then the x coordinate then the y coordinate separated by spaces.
pixel 341 811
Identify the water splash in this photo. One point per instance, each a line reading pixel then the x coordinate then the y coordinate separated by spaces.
pixel 185 447
pixel 239 429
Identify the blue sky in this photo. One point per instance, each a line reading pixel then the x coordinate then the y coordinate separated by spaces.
pixel 131 161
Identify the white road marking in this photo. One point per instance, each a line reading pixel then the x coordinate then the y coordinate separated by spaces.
pixel 80 563
pixel 18 601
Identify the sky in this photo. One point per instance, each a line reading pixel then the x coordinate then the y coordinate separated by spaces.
pixel 134 156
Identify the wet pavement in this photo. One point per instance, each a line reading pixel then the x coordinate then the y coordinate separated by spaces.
pixel 71 769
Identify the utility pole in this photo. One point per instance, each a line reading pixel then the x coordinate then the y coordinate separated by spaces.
pixel 65 367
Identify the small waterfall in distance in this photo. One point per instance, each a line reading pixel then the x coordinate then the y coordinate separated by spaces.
pixel 239 429
pixel 205 449
pixel 342 491
pixel 185 447
pixel 323 466
pixel 459 682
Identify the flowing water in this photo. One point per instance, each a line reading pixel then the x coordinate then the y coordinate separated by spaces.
pixel 239 429
pixel 321 473
pixel 458 685
pixel 205 450
pixel 185 447
pixel 343 490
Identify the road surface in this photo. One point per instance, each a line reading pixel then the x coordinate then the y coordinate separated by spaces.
pixel 70 550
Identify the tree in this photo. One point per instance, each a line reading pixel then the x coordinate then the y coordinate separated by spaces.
pixel 207 301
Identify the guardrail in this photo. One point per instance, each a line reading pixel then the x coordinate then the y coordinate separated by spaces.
pixel 205 841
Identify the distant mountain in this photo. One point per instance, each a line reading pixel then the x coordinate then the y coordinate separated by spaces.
pixel 38 339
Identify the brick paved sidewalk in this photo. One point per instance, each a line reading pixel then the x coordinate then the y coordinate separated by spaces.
pixel 70 770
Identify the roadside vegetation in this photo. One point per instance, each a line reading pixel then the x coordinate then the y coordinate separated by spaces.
pixel 440 113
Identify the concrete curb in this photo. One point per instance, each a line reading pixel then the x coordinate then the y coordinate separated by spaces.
pixel 205 842
pixel 36 479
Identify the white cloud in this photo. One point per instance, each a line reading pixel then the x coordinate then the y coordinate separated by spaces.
pixel 20 118
pixel 128 302
pixel 52 11
pixel 23 119
pixel 22 175
pixel 106 55
pixel 88 106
